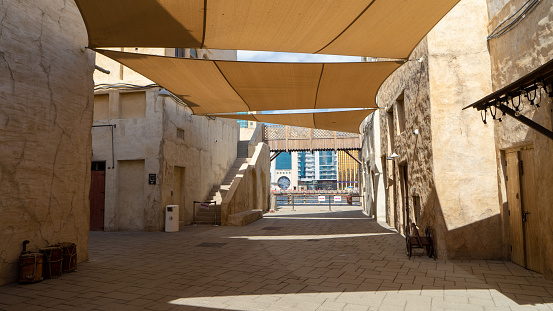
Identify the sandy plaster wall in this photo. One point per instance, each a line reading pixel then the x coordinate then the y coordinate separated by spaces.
pixel 45 117
pixel 372 180
pixel 134 139
pixel 463 148
pixel 207 152
pixel 451 162
pixel 251 190
pixel 513 55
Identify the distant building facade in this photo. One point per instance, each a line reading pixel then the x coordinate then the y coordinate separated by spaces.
pixel 305 170
pixel 149 151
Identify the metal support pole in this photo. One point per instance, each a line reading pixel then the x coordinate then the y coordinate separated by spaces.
pixel 194 213
pixel 215 213
pixel 329 207
pixel 293 207
pixel 112 126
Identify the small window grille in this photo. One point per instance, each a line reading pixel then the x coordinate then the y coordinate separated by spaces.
pixel 180 133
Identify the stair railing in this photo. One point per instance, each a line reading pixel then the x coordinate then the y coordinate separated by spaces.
pixel 208 204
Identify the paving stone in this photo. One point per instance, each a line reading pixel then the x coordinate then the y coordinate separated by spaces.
pixel 270 270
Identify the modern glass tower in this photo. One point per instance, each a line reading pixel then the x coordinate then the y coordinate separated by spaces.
pixel 317 170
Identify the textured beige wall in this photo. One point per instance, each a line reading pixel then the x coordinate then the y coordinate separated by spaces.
pixel 134 139
pixel 204 156
pixel 45 118
pixel 207 152
pixel 463 148
pixel 415 151
pixel 451 162
pixel 513 55
pixel 251 190
pixel 372 180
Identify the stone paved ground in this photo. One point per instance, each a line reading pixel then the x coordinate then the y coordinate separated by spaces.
pixel 303 260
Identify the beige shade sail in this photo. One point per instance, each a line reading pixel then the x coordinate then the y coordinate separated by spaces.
pixel 342 121
pixel 377 28
pixel 230 86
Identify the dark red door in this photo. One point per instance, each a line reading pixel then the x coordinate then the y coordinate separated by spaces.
pixel 96 197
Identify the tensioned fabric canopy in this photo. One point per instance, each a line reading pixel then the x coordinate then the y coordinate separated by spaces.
pixel 342 121
pixel 210 87
pixel 376 28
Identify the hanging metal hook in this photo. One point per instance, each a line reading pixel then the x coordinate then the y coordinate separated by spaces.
pixel 485 115
pixel 493 112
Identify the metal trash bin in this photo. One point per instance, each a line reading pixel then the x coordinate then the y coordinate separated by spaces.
pixel 172 218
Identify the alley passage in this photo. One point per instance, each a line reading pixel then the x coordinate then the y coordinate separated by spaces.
pixel 305 260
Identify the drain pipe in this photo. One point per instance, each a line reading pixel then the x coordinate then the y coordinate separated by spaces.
pixel 112 150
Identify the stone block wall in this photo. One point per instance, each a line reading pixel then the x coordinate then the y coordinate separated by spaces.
pixel 45 118
pixel 407 87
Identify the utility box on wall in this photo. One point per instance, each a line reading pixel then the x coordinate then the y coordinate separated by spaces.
pixel 172 218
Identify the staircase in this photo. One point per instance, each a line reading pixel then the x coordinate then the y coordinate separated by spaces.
pixel 242 151
pixel 218 192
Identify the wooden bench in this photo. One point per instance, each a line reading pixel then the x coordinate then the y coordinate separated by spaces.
pixel 414 240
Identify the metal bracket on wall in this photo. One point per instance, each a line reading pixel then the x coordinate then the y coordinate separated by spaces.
pixel 275 155
pixel 112 150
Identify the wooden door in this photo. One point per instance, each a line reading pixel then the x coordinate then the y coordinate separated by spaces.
pixel 515 208
pixel 523 212
pixel 530 219
pixel 97 199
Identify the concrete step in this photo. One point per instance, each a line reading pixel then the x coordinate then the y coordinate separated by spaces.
pixel 217 199
pixel 218 192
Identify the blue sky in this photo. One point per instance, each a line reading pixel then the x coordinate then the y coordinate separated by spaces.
pixel 280 57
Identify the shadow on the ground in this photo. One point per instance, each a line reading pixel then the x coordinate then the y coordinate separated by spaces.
pixel 327 254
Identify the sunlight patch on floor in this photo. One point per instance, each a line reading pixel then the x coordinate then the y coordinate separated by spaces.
pixel 411 299
pixel 309 237
pixel 314 218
